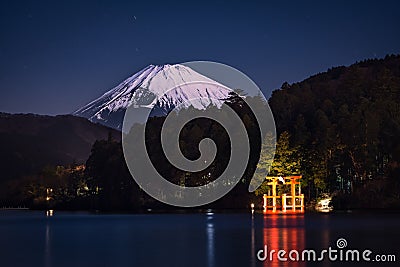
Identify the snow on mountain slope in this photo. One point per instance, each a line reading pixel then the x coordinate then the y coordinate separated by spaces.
pixel 151 83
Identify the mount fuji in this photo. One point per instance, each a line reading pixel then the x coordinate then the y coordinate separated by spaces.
pixel 163 87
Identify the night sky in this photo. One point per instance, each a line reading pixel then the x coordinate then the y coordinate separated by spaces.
pixel 57 56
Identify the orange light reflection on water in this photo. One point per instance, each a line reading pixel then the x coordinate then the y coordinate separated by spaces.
pixel 283 232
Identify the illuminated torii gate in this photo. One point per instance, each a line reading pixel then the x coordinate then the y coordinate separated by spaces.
pixel 292 206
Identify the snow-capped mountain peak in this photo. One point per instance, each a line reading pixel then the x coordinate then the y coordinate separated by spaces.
pixel 153 83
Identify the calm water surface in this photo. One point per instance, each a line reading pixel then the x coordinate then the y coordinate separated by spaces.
pixel 30 238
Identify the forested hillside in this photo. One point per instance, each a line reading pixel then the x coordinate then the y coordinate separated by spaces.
pixel 344 126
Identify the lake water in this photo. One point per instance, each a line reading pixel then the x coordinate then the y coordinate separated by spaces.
pixel 30 238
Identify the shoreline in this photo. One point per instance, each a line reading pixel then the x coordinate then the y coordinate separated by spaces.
pixel 208 211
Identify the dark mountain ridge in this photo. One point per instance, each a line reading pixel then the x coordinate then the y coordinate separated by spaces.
pixel 29 142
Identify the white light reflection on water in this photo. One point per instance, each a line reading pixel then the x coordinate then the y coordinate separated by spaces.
pixel 253 241
pixel 325 237
pixel 210 239
pixel 47 249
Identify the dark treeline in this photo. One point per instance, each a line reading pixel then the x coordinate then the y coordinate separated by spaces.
pixel 114 188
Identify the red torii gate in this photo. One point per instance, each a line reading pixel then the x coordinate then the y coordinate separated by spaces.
pixel 293 203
